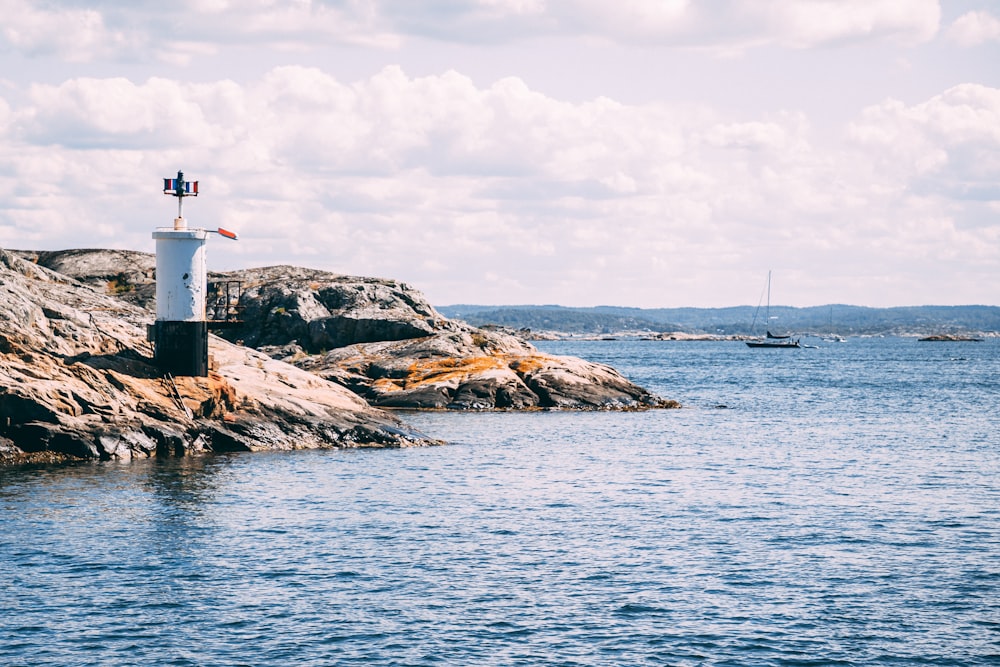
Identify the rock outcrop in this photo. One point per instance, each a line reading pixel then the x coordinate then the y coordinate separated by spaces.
pixel 950 338
pixel 125 274
pixel 77 381
pixel 384 341
pixel 379 338
pixel 472 370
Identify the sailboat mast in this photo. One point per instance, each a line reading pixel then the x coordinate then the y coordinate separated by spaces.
pixel 768 336
pixel 767 311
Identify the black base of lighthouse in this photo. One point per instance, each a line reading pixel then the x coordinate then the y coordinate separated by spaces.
pixel 182 348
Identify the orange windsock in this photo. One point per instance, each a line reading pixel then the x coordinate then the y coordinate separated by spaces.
pixel 228 234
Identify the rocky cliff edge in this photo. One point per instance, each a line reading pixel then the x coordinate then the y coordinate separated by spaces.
pixel 384 341
pixel 77 381
pixel 379 338
pixel 320 333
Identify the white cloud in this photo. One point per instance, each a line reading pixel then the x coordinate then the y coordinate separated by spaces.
pixel 401 176
pixel 6 118
pixel 179 32
pixel 974 28
pixel 302 21
pixel 77 35
pixel 129 31
pixel 753 136
pixel 627 18
pixel 817 22
pixel 948 144
pixel 550 150
pixel 727 26
pixel 114 112
pixel 515 7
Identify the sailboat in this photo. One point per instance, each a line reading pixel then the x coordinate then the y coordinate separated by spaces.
pixel 770 339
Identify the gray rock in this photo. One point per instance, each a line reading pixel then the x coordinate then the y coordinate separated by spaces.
pixel 382 340
pixel 126 274
pixel 320 311
pixel 77 381
pixel 470 369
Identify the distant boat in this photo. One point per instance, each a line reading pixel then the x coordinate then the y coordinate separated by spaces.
pixel 770 340
pixel 775 343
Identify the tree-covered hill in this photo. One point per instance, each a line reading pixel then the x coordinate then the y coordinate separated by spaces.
pixel 836 319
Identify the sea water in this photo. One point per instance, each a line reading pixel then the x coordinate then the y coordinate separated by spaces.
pixel 836 505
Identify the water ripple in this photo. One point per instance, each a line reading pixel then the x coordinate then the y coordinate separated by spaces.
pixel 850 519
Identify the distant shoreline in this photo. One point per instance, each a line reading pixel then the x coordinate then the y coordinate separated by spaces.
pixel 685 337
pixel 734 323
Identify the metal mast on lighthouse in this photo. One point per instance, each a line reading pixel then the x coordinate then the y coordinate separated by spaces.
pixel 180 188
pixel 180 333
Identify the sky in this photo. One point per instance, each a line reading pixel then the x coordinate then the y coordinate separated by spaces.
pixel 647 153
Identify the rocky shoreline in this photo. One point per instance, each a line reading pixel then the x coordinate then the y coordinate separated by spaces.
pixel 315 358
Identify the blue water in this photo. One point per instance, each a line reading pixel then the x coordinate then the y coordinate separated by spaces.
pixel 826 506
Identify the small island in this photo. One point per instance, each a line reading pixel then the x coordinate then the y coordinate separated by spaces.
pixel 949 338
pixel 315 362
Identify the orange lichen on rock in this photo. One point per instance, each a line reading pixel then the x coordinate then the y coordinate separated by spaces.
pixel 522 365
pixel 455 371
pixel 206 397
pixel 451 371
pixel 385 385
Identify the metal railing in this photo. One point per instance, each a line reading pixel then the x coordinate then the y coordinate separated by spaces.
pixel 222 304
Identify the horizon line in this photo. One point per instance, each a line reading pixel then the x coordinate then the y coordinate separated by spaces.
pixel 825 305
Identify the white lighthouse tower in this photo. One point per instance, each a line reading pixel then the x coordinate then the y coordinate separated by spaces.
pixel 180 333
